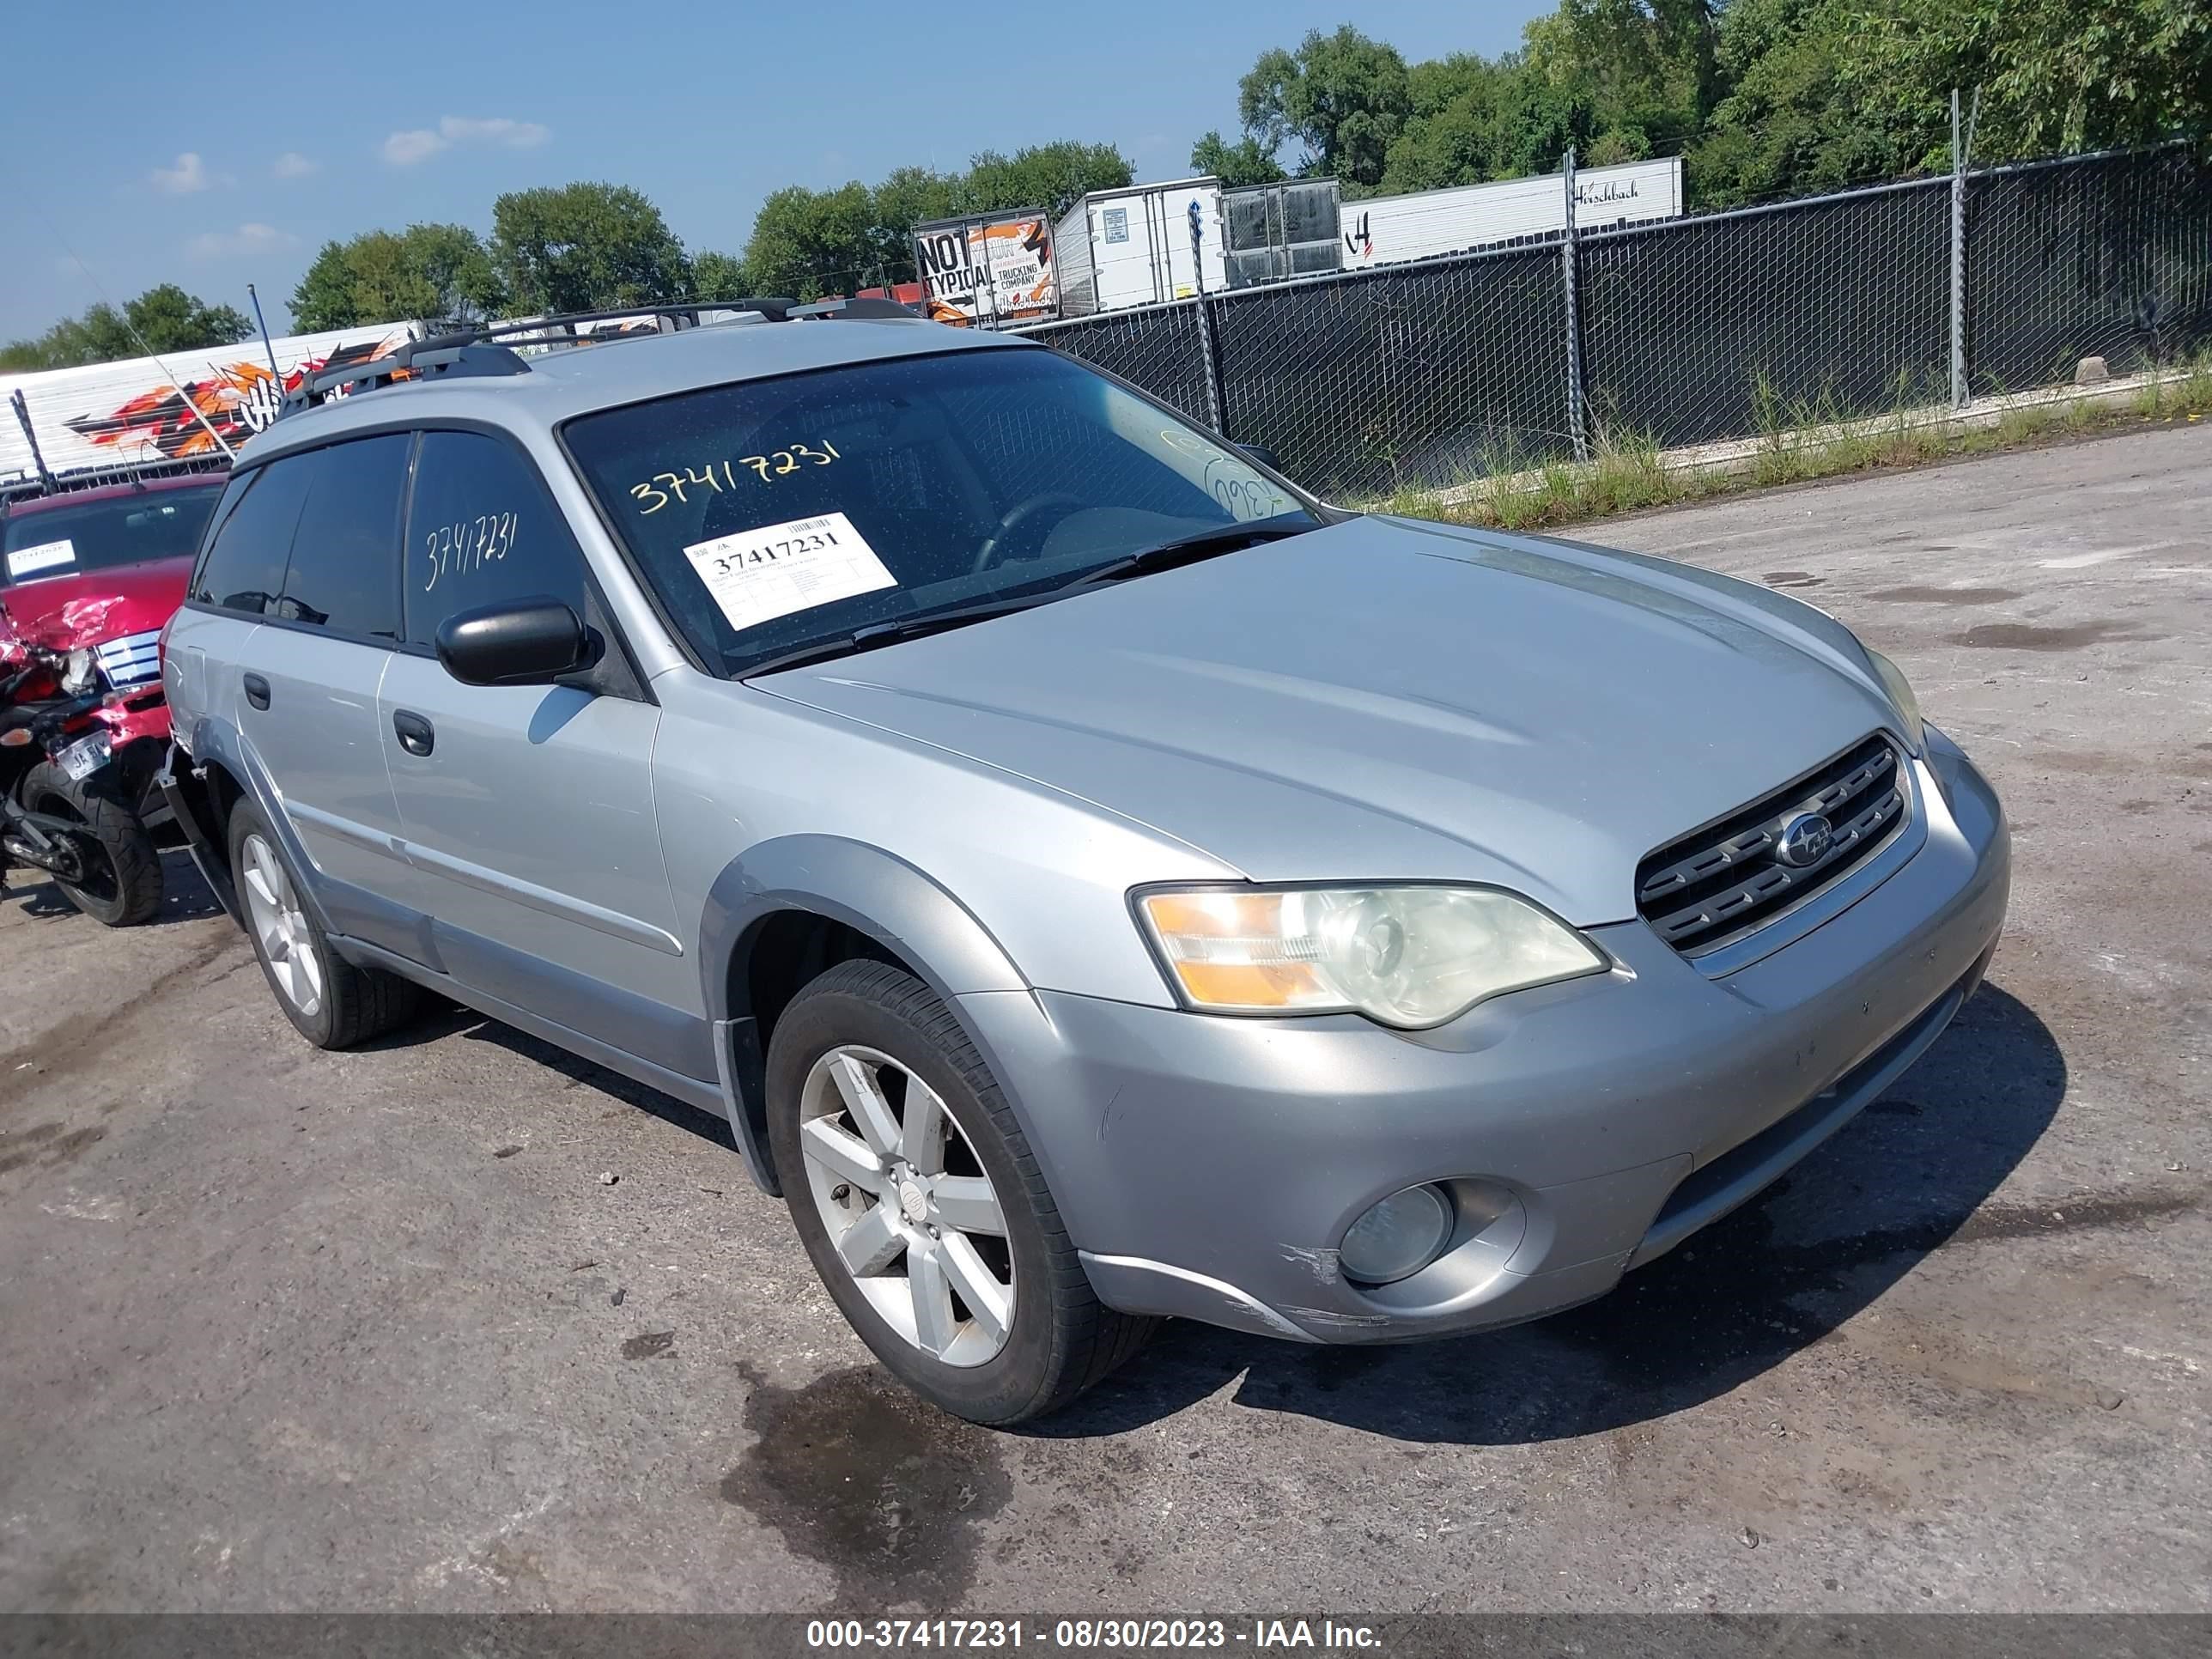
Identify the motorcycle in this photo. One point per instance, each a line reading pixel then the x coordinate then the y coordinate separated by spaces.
pixel 70 801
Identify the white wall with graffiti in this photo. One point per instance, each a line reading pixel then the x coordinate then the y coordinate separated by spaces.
pixel 148 410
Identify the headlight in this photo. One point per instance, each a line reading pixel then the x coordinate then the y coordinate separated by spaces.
pixel 1901 694
pixel 77 672
pixel 1406 956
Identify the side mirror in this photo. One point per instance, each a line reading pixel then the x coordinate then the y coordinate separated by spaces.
pixel 531 642
pixel 1262 454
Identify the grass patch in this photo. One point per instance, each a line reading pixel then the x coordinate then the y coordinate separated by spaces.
pixel 1798 440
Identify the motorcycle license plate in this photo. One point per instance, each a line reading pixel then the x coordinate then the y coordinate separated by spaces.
pixel 84 757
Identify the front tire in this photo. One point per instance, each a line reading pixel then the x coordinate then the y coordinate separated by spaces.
pixel 331 1003
pixel 122 885
pixel 921 1207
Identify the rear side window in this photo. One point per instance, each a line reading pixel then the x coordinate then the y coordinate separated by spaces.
pixel 344 569
pixel 243 569
pixel 481 530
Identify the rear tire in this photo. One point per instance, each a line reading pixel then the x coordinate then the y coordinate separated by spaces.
pixel 937 1214
pixel 330 1002
pixel 123 877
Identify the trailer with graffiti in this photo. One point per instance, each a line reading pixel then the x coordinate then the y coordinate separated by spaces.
pixel 988 268
pixel 182 405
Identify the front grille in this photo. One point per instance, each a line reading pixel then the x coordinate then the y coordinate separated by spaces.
pixel 131 661
pixel 1720 882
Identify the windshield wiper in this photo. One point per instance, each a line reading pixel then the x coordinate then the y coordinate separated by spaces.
pixel 888 633
pixel 1184 549
pixel 1187 549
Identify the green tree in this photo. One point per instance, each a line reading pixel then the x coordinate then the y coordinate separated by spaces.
pixel 1452 135
pixel 163 318
pixel 1638 75
pixel 2056 75
pixel 812 243
pixel 1343 96
pixel 1828 93
pixel 909 196
pixel 1054 177
pixel 1244 162
pixel 455 262
pixel 1794 119
pixel 720 276
pixel 431 271
pixel 807 244
pixel 167 319
pixel 364 280
pixel 584 246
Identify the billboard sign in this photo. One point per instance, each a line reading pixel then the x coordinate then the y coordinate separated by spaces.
pixel 988 271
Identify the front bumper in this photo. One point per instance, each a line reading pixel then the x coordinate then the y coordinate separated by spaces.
pixel 1207 1168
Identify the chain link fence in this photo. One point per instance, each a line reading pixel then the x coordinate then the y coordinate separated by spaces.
pixel 1388 377
pixel 2110 257
pixel 1719 325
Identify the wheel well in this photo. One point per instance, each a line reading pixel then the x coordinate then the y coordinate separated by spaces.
pixel 787 950
pixel 223 791
pixel 207 795
pixel 775 960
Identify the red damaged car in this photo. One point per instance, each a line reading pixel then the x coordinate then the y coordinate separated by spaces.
pixel 88 578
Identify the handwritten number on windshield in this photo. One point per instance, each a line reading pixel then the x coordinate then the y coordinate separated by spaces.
pixel 659 490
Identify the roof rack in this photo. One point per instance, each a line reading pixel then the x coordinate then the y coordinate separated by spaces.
pixel 491 349
pixel 414 359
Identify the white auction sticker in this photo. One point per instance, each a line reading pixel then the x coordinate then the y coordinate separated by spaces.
pixel 45 557
pixel 757 575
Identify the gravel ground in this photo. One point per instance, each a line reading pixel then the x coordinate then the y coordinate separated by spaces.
pixel 287 1330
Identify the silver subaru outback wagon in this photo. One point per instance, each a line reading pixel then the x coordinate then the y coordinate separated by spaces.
pixel 1097 881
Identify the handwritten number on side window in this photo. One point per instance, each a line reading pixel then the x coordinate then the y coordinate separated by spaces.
pixel 467 545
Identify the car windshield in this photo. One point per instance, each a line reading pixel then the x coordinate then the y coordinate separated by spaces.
pixel 772 514
pixel 105 534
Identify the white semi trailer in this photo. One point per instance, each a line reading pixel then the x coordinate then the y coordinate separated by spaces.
pixel 1120 248
pixel 1380 230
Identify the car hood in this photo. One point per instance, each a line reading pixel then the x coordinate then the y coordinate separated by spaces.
pixel 1387 699
pixel 65 613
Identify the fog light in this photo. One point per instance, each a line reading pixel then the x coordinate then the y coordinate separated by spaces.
pixel 1400 1236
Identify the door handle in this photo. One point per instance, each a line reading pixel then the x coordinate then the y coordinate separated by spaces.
pixel 414 733
pixel 257 690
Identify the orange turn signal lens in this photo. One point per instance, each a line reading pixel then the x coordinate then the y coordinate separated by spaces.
pixel 1231 950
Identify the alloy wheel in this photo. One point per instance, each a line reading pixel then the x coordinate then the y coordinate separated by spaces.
pixel 909 1210
pixel 282 927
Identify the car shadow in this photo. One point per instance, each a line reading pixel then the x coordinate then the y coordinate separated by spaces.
pixel 448 1018
pixel 1774 1278
pixel 185 896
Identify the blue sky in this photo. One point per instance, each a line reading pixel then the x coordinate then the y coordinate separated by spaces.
pixel 213 146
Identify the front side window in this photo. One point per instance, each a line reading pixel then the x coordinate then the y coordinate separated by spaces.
pixel 481 530
pixel 769 514
pixel 106 534
pixel 244 568
pixel 344 569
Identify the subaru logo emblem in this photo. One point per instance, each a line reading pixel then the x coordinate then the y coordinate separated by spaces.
pixel 1805 840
